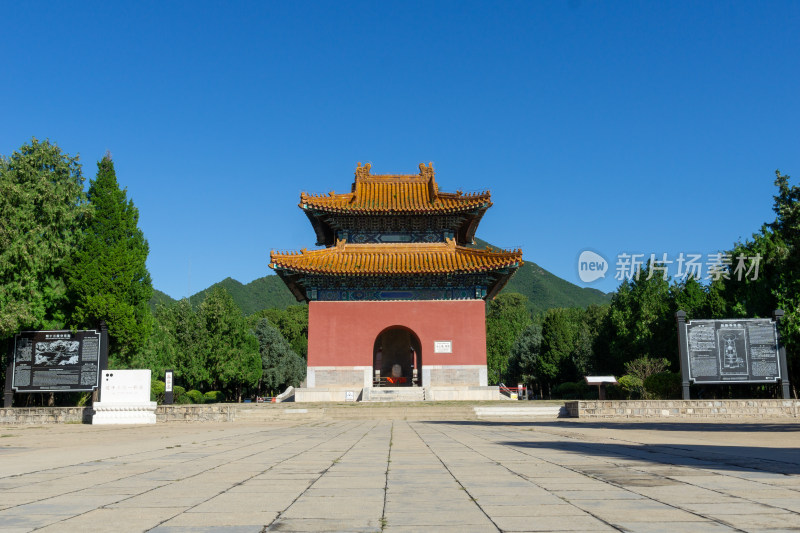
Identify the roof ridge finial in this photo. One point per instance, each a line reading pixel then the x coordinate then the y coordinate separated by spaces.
pixel 362 172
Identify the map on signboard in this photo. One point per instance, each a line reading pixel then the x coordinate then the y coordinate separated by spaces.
pixel 743 350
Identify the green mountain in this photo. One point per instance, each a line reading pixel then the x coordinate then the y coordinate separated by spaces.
pixel 160 298
pixel 546 290
pixel 261 293
pixel 543 289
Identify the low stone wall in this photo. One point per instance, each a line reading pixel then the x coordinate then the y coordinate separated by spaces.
pixel 217 412
pixel 684 409
pixel 45 415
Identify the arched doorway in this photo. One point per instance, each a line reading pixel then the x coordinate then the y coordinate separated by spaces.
pixel 397 358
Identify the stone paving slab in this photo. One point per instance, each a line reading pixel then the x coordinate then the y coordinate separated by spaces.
pixel 393 475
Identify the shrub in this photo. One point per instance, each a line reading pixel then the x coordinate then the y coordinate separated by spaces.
pixel 196 396
pixel 631 385
pixel 644 367
pixel 572 391
pixel 615 392
pixel 157 389
pixel 214 396
pixel 179 395
pixel 663 386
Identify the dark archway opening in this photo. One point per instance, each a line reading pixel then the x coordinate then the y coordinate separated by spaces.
pixel 397 358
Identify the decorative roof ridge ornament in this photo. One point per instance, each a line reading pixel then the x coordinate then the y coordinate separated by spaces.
pixel 362 172
pixel 427 173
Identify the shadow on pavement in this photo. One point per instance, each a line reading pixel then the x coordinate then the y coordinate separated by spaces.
pixel 739 458
pixel 661 425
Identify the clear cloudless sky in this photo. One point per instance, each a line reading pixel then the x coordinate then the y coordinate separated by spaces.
pixel 646 127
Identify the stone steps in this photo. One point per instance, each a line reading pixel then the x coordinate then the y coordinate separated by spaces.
pixel 393 394
pixel 356 411
pixel 545 411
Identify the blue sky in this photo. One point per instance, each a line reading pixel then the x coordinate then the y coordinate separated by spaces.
pixel 644 127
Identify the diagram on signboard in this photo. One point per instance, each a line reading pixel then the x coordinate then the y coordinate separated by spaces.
pixel 732 350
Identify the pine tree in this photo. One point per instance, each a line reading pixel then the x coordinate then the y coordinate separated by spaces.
pixel 108 279
pixel 282 366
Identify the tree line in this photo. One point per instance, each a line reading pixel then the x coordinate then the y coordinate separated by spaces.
pixel 635 336
pixel 71 258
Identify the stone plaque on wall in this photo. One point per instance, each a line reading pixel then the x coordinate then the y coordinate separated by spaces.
pixel 442 346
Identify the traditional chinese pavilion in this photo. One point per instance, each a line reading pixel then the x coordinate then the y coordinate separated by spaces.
pixel 396 296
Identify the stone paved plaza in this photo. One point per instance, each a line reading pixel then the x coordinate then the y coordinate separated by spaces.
pixel 402 476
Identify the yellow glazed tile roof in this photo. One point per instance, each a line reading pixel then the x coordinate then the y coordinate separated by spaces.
pixel 381 259
pixel 395 193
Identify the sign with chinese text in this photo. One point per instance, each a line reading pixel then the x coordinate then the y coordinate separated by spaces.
pixel 51 361
pixel 442 346
pixel 724 351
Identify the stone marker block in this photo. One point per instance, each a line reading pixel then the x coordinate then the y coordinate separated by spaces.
pixel 125 398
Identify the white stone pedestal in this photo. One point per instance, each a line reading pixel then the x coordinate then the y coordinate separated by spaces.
pixel 124 398
pixel 124 413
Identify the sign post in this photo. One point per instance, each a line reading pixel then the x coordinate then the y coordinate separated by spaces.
pixel 8 391
pixel 777 315
pixel 168 394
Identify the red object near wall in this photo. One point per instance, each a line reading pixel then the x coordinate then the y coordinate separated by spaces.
pixel 344 333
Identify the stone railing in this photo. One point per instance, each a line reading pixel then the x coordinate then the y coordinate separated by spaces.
pixel 684 408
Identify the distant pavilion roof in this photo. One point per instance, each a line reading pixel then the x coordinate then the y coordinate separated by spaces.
pixel 396 193
pixel 382 259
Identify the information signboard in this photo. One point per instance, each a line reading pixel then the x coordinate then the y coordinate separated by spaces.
pixel 731 351
pixel 51 361
pixel 721 351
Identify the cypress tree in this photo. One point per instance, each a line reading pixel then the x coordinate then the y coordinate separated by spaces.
pixel 42 207
pixel 109 279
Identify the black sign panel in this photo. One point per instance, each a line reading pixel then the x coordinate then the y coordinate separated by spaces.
pixel 47 361
pixel 724 351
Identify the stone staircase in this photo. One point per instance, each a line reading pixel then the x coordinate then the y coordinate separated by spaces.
pixel 393 394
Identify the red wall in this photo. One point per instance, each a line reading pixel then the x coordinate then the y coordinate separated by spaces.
pixel 344 333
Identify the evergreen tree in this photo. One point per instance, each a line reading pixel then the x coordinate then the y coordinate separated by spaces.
pixel 188 336
pixel 777 285
pixel 42 206
pixel 525 354
pixel 108 280
pixel 292 322
pixel 232 351
pixel 282 367
pixel 507 317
